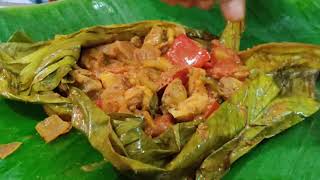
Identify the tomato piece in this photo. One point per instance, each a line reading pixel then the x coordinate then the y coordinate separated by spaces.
pixel 167 77
pixel 182 75
pixel 99 103
pixel 211 108
pixel 185 52
pixel 161 124
pixel 209 64
pixel 223 62
pixel 223 69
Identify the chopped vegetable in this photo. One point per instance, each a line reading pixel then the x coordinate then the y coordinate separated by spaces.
pixel 228 86
pixel 154 37
pixel 93 58
pixel 148 120
pixel 112 93
pixel 86 80
pixel 99 103
pixel 174 94
pixel 182 74
pixel 160 63
pixel 136 41
pixel 196 83
pixel 190 108
pixel 161 124
pixel 121 50
pixel 138 97
pixel 111 80
pixel 147 52
pixel 7 149
pixel 211 108
pixel 52 127
pixel 224 62
pixel 185 52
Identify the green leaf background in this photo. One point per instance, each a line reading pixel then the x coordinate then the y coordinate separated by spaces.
pixel 293 154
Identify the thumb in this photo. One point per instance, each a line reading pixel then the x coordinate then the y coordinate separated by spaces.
pixel 233 10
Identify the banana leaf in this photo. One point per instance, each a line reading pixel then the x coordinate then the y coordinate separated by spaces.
pixel 281 114
pixel 256 34
pixel 122 140
pixel 277 56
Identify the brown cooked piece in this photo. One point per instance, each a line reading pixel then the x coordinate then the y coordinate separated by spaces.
pixel 52 127
pixel 7 149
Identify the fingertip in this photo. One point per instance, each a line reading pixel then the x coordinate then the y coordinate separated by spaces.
pixel 205 4
pixel 186 3
pixel 233 10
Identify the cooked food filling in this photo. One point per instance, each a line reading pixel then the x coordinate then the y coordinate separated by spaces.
pixel 52 127
pixel 165 77
pixel 7 149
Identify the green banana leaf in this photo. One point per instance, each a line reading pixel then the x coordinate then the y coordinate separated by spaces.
pixel 279 115
pixel 65 157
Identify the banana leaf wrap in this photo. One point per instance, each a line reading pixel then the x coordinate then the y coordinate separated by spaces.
pixel 279 93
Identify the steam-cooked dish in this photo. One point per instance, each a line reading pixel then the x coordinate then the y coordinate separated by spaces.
pixel 159 100
pixel 165 76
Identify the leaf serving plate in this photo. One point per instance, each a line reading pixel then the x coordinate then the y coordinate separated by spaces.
pixel 290 155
